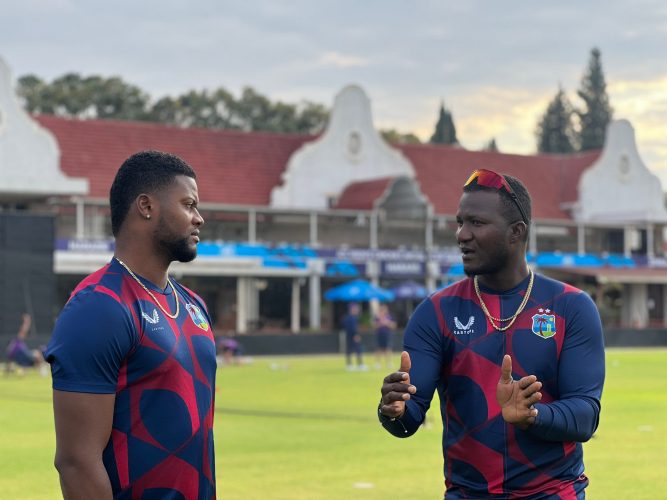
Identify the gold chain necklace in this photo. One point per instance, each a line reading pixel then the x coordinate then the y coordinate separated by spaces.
pixel 172 316
pixel 512 318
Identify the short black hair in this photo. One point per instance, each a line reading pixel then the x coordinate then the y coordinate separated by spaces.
pixel 143 172
pixel 511 212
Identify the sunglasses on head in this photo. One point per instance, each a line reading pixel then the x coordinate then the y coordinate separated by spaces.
pixel 491 179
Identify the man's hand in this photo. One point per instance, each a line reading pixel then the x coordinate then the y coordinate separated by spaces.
pixel 396 389
pixel 517 397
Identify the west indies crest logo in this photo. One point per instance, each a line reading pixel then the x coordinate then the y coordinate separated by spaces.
pixel 197 316
pixel 544 324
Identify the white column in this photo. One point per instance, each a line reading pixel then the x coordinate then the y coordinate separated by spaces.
pixel 428 236
pixel 373 274
pixel 637 310
pixel 313 229
pixel 627 241
pixel 252 226
pixel 374 229
pixel 80 218
pixel 650 241
pixel 532 243
pixel 429 280
pixel 581 239
pixel 241 304
pixel 373 271
pixel 253 299
pixel 296 306
pixel 314 297
pixel 432 274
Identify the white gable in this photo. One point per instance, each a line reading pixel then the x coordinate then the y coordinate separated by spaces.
pixel 29 154
pixel 618 187
pixel 349 150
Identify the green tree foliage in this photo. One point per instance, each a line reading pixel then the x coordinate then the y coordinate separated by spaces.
pixel 445 131
pixel 597 112
pixel 196 109
pixel 555 132
pixel 74 96
pixel 491 145
pixel 255 112
pixel 395 137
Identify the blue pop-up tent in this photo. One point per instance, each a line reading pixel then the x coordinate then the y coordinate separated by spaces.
pixel 359 291
pixel 410 290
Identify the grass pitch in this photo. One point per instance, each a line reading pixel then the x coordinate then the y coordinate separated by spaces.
pixel 303 428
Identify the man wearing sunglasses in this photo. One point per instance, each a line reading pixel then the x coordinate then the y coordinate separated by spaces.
pixel 517 359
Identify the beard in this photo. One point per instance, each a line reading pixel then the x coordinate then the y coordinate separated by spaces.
pixel 495 262
pixel 180 250
pixel 175 248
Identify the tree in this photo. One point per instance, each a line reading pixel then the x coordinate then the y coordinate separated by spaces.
pixel 597 112
pixel 555 132
pixel 311 117
pixel 30 89
pixel 256 112
pixel 197 109
pixel 491 145
pixel 445 131
pixel 395 137
pixel 74 96
pixel 112 98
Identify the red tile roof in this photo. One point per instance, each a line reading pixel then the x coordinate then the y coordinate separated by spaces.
pixel 242 167
pixel 363 194
pixel 550 179
pixel 232 167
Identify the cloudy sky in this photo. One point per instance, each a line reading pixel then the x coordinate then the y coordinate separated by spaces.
pixel 495 64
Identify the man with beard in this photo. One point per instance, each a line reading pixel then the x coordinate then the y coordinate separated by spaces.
pixel 517 360
pixel 132 353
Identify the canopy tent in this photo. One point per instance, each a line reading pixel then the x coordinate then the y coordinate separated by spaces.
pixel 359 291
pixel 410 290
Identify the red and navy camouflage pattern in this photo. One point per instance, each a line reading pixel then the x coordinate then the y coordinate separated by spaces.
pixel 111 338
pixel 455 350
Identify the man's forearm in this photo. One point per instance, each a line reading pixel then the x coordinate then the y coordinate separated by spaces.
pixel 572 419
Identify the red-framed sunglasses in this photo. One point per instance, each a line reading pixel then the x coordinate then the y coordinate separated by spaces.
pixel 491 179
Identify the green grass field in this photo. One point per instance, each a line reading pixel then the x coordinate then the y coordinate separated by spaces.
pixel 303 428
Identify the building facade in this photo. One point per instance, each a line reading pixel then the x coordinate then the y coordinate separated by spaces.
pixel 289 216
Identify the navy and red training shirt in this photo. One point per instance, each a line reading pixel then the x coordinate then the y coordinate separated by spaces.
pixel 112 338
pixel 455 350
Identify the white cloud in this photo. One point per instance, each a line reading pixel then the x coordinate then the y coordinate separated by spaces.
pixel 496 72
pixel 341 61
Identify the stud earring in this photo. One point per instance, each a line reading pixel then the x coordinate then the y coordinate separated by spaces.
pixel 148 216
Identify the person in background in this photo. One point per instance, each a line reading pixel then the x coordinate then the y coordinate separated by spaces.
pixel 230 349
pixel 352 337
pixel 384 325
pixel 20 354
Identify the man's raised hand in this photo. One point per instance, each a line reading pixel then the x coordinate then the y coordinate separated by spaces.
pixel 396 389
pixel 517 397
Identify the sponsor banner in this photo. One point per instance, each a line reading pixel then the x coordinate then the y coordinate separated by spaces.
pixel 447 256
pixel 653 262
pixel 83 245
pixel 366 254
pixel 402 268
